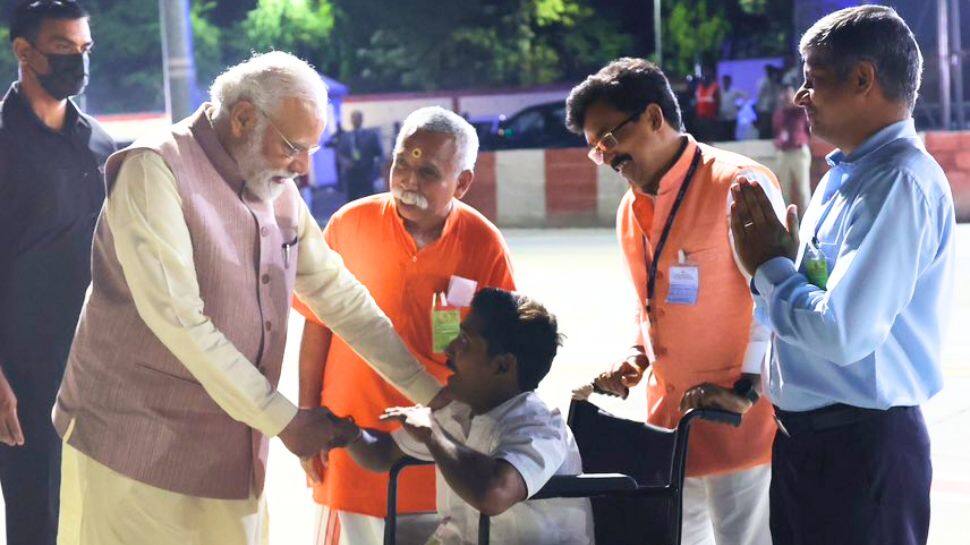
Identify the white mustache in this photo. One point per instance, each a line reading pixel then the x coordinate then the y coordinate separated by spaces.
pixel 264 188
pixel 412 198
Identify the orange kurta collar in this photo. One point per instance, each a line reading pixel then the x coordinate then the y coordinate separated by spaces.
pixel 644 205
pixel 390 208
pixel 675 176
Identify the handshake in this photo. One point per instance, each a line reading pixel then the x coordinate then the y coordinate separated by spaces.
pixel 313 431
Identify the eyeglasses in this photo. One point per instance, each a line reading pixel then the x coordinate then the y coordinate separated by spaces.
pixel 292 150
pixel 608 141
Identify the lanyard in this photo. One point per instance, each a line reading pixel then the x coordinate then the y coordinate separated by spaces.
pixel 652 274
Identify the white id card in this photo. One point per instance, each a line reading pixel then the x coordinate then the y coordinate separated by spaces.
pixel 684 283
pixel 461 291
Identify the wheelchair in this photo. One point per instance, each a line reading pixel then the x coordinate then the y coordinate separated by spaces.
pixel 633 474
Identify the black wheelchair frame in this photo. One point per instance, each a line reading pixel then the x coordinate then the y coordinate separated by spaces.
pixel 618 479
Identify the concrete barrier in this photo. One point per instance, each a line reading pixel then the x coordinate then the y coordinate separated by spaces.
pixel 563 188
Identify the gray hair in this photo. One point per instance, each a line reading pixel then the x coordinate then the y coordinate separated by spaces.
pixel 266 80
pixel 439 120
pixel 869 33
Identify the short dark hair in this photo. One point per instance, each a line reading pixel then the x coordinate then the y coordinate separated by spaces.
pixel 627 84
pixel 515 324
pixel 28 16
pixel 869 33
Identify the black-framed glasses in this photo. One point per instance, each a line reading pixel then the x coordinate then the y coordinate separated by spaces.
pixel 608 141
pixel 292 150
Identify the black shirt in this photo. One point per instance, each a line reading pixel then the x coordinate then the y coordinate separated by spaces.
pixel 51 191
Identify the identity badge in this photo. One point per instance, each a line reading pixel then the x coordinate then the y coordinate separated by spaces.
pixel 816 266
pixel 685 279
pixel 445 323
pixel 461 291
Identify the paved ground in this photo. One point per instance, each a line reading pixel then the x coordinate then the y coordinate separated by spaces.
pixel 578 274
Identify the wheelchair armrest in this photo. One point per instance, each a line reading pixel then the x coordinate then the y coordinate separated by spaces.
pixel 405 462
pixel 585 485
pixel 714 415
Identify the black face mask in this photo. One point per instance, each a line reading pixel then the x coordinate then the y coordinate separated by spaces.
pixel 68 75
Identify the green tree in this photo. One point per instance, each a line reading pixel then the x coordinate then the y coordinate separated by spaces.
pixel 761 29
pixel 694 33
pixel 301 27
pixel 8 63
pixel 373 45
pixel 126 64
pixel 426 44
pixel 207 43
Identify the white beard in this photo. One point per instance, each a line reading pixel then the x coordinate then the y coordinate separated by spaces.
pixel 412 198
pixel 264 188
pixel 257 175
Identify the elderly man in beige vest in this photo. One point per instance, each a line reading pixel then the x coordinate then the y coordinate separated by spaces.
pixel 170 391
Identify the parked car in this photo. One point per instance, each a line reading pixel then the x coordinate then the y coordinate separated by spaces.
pixel 486 125
pixel 538 126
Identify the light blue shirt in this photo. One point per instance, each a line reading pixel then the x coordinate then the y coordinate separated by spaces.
pixel 883 218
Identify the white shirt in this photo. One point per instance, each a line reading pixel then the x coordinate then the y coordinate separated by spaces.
pixel 730 104
pixel 524 432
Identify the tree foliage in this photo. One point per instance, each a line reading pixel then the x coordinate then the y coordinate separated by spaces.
pixel 694 32
pixel 415 45
pixel 126 65
pixel 428 44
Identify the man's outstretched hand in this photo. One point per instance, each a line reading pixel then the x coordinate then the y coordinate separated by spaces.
pixel 10 431
pixel 314 430
pixel 617 380
pixel 416 420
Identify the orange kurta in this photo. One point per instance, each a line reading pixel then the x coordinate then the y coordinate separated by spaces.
pixel 704 342
pixel 376 248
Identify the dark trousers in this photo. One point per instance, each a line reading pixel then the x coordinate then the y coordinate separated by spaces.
pixel 865 481
pixel 763 124
pixel 31 474
pixel 360 184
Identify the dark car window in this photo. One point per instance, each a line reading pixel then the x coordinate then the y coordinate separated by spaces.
pixel 557 121
pixel 539 126
pixel 526 124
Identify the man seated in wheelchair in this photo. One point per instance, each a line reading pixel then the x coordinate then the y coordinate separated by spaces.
pixel 497 443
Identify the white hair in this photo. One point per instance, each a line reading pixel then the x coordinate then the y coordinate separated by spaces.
pixel 266 80
pixel 439 120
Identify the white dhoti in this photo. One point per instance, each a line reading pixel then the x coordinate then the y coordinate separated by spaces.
pixel 102 507
pixel 728 509
pixel 345 528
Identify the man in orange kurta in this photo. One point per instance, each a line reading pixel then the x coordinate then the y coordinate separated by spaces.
pixel 405 247
pixel 695 328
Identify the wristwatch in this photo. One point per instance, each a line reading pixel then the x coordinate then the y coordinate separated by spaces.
pixel 745 388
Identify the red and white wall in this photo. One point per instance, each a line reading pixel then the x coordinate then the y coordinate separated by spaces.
pixel 952 151
pixel 545 188
pixel 563 188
